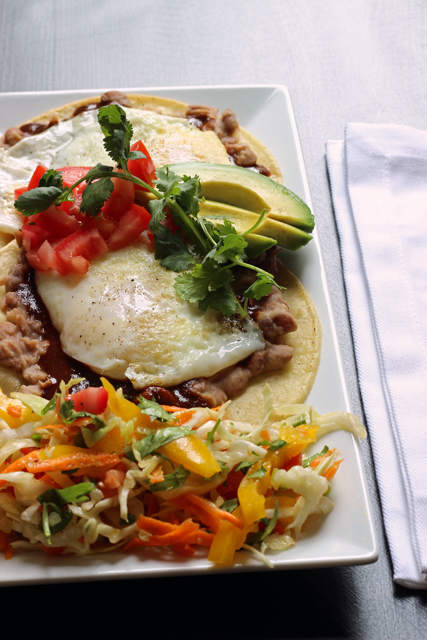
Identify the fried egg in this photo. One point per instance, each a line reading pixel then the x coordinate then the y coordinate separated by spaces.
pixel 124 320
pixel 78 142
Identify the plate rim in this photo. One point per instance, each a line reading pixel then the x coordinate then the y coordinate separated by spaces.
pixel 367 556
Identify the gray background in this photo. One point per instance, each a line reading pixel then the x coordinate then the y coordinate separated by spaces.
pixel 342 60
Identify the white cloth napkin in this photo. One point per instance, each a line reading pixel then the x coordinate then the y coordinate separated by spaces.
pixel 378 177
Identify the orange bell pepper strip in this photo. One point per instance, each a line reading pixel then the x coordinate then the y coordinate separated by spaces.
pixel 251 492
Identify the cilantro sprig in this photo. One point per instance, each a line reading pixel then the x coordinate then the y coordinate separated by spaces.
pixel 205 260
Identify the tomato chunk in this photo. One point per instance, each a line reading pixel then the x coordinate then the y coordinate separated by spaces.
pixel 70 175
pixel 120 200
pixel 81 246
pixel 35 178
pixel 33 236
pixel 55 221
pixel 131 225
pixel 92 400
pixel 142 168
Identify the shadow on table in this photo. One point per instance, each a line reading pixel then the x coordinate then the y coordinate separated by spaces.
pixel 277 604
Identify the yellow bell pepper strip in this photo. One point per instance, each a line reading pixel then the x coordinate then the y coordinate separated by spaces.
pixel 252 490
pixel 228 539
pixel 193 454
pixel 14 413
pixel 112 442
pixel 123 408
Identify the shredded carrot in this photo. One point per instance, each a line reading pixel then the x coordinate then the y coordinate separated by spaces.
pixel 20 464
pixel 184 417
pixel 157 475
pixel 165 534
pixel 69 429
pixel 73 461
pixel 314 463
pixel 179 534
pixel 265 435
pixel 207 512
pixel 14 411
pixel 5 545
pixel 172 518
pixel 329 474
pixel 53 551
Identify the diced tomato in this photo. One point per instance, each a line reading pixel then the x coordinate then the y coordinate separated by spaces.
pixel 84 244
pixel 105 225
pixel 47 255
pixel 55 221
pixel 131 225
pixel 35 178
pixel 296 460
pixel 70 175
pixel 35 261
pixel 20 191
pixel 142 168
pixel 33 236
pixel 114 478
pixel 92 400
pixel 120 200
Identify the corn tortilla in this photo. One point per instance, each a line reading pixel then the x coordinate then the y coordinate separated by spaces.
pixel 289 385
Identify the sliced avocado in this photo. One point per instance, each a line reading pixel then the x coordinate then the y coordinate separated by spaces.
pixel 284 234
pixel 249 190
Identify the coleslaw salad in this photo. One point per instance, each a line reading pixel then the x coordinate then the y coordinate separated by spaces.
pixel 91 472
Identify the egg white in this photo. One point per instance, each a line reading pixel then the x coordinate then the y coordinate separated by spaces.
pixel 79 142
pixel 124 320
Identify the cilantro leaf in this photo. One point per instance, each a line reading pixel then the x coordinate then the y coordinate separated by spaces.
pixel 256 538
pixel 171 481
pixel 277 444
pixel 157 215
pixel 210 436
pixel 196 285
pixel 98 191
pixel 51 178
pixel 258 474
pixel 37 200
pixel 53 500
pixel 260 288
pixel 172 251
pixel 68 415
pixel 167 181
pixel 230 505
pixel 148 445
pixel 189 194
pixel 61 497
pixel 222 300
pixel 117 132
pixel 153 409
pixel 306 462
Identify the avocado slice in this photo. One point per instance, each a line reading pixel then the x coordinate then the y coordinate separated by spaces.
pixel 284 234
pixel 251 191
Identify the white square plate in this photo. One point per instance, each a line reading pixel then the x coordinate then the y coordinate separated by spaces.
pixel 347 535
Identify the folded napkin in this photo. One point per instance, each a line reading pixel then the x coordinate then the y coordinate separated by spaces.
pixel 378 178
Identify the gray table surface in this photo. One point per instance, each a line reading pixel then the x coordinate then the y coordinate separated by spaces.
pixel 342 60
